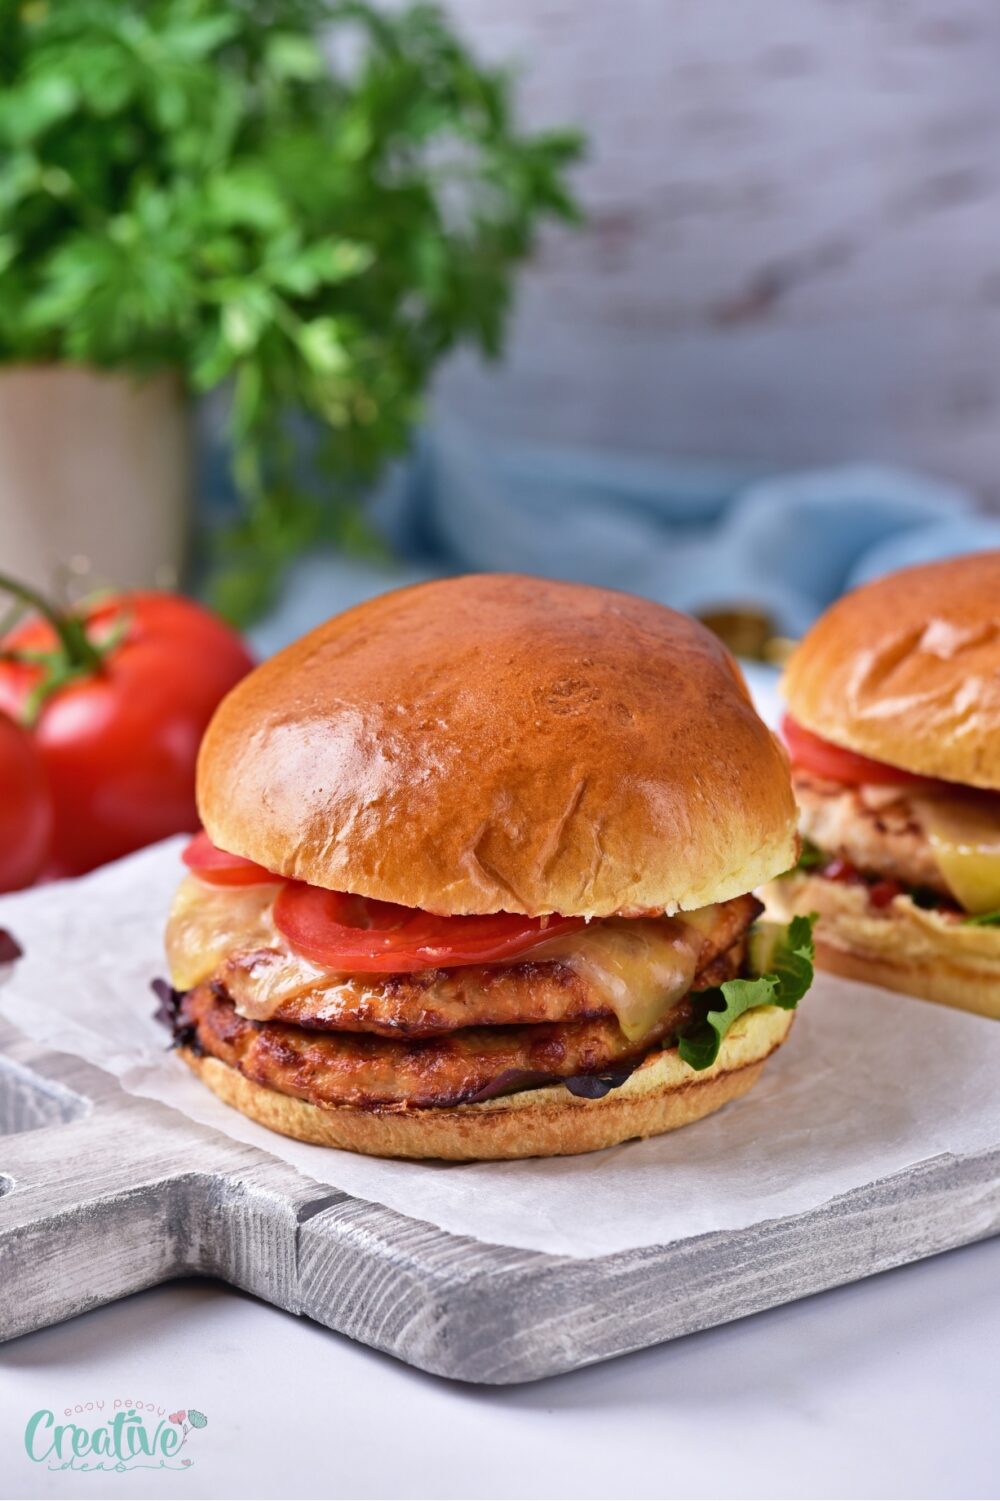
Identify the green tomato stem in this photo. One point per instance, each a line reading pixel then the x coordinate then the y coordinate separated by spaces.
pixel 75 657
pixel 79 651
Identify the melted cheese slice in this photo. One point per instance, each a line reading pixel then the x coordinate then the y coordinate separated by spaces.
pixel 209 923
pixel 964 833
pixel 640 967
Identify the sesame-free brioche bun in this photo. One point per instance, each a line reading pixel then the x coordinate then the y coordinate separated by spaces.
pixel 907 670
pixel 662 1094
pixel 500 743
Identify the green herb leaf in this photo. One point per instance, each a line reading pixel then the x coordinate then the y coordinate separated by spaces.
pixel 293 56
pixel 984 920
pixel 811 857
pixel 316 211
pixel 787 955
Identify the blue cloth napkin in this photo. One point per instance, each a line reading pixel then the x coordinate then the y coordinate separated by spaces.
pixel 693 536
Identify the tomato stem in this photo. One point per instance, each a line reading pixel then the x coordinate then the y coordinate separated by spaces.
pixel 79 650
pixel 75 657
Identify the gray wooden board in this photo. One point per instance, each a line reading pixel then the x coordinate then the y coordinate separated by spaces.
pixel 103 1193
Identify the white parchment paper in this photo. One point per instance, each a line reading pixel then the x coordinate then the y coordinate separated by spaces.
pixel 868 1085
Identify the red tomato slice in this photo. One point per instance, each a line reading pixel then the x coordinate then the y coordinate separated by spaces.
pixel 884 892
pixel 843 871
pixel 814 754
pixel 221 869
pixel 356 935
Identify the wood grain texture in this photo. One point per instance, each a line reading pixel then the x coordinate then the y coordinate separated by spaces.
pixel 789 254
pixel 103 1193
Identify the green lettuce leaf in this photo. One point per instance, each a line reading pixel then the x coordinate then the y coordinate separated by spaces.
pixel 984 920
pixel 783 961
pixel 811 857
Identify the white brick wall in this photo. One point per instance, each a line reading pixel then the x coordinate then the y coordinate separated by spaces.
pixel 793 248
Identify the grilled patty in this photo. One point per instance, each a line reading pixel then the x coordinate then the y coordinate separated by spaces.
pixel 375 1072
pixel 876 829
pixel 438 1001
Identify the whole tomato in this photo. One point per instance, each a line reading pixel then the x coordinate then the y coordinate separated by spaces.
pixel 25 808
pixel 118 695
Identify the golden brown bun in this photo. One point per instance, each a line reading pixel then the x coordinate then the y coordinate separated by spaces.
pixel 901 947
pixel 496 743
pixel 907 670
pixel 947 984
pixel 661 1095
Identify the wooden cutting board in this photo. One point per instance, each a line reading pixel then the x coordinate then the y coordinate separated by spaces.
pixel 103 1193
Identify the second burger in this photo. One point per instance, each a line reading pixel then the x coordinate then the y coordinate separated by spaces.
pixel 893 729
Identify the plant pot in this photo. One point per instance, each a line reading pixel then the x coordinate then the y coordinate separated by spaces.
pixel 95 477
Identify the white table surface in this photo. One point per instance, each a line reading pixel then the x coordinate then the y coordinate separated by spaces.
pixel 885 1388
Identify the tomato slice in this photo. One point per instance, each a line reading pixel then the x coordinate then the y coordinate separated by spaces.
pixel 842 871
pixel 357 935
pixel 219 868
pixel 814 754
pixel 884 892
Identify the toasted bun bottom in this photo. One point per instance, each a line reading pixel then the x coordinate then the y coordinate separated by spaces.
pixel 948 984
pixel 661 1095
pixel 902 948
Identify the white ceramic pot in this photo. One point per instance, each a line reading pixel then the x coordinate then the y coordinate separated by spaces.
pixel 95 477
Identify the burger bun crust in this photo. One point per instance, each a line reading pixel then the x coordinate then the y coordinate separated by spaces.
pixel 907 670
pixel 501 743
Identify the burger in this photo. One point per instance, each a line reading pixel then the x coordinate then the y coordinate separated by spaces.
pixel 893 729
pixel 475 878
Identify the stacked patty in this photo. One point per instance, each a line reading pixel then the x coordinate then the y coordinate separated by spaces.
pixel 878 830
pixel 439 1037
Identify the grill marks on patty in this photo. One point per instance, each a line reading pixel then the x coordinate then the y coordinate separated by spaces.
pixel 875 829
pixel 368 1071
pixel 439 1001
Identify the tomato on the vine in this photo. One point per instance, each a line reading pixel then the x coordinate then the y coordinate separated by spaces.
pixel 25 808
pixel 118 695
